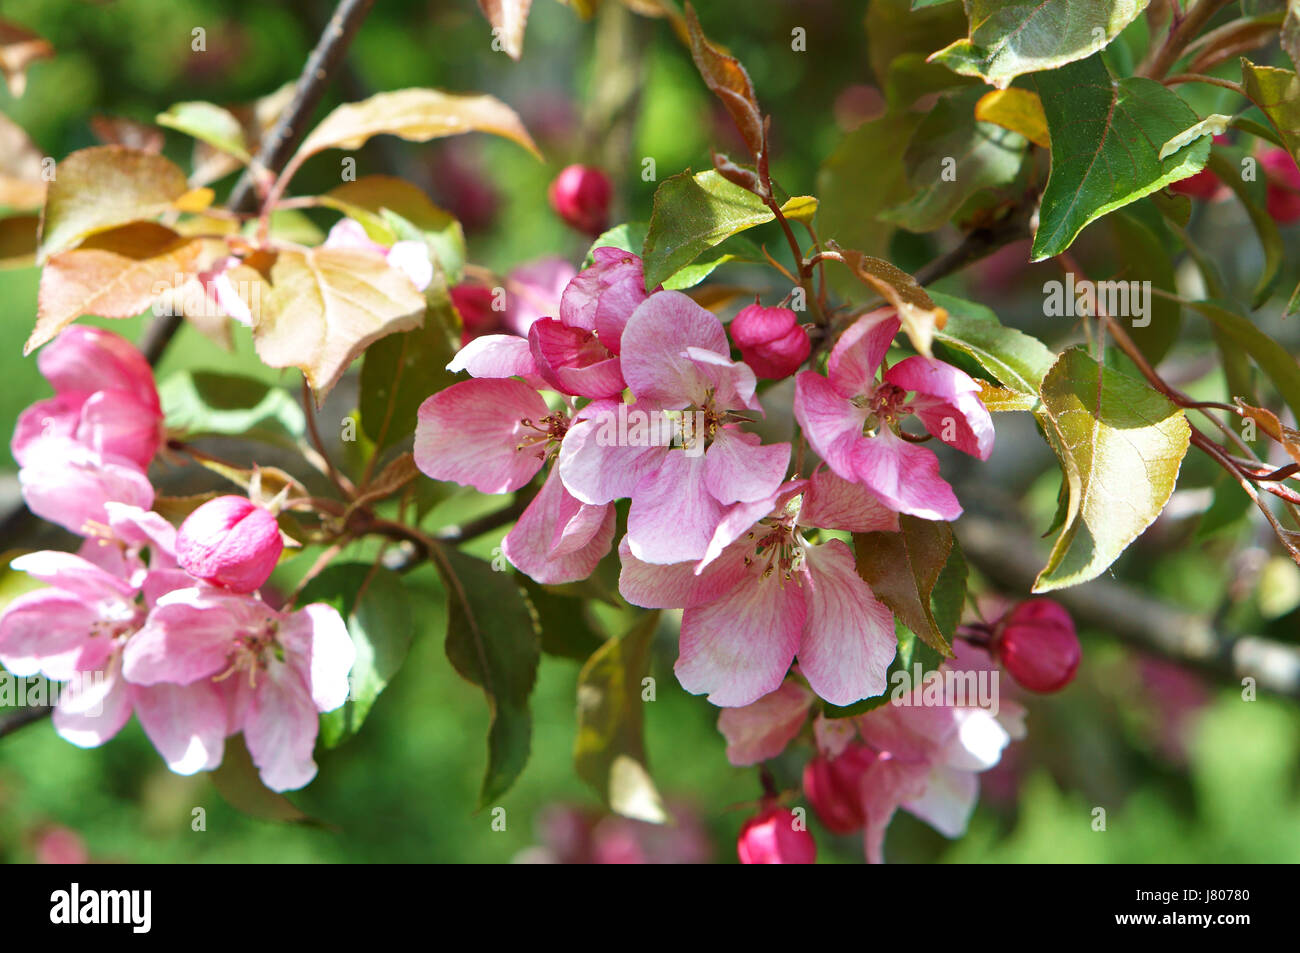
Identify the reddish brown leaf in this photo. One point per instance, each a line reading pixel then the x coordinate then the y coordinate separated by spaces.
pixel 727 78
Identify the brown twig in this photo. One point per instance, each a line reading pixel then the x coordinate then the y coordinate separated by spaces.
pixel 1183 32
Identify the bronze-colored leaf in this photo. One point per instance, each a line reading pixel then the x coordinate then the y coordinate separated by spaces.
pixel 114 274
pixel 508 19
pixel 917 312
pixel 727 78
pixel 19 48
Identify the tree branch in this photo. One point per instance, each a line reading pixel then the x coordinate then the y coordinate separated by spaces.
pixel 1011 558
pixel 283 139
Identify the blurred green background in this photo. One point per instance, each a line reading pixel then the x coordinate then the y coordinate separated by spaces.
pixel 1184 770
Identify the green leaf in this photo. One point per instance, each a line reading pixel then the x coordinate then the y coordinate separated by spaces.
pixel 205 403
pixel 609 752
pixel 1272 358
pixel 1253 196
pixel 208 123
pixel 492 641
pixel 858 181
pixel 1277 93
pixel 693 213
pixel 377 609
pixel 567 632
pixel 399 372
pixel 1009 38
pixel 1016 360
pixel 952 157
pixel 629 236
pixel 1120 444
pixel 1144 251
pixel 903 569
pixel 1106 138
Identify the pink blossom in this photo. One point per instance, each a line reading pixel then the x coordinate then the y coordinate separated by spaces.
pixel 105 399
pixel 76 629
pixel 763 595
pixel 1283 178
pixel 283 669
pixel 580 195
pixel 761 730
pixel 496 433
pixel 409 257
pixel 775 836
pixel 577 353
pixel 853 421
pixel 230 541
pixel 70 484
pixel 922 759
pixel 676 359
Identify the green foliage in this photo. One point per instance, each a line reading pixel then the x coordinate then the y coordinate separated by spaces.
pixel 1106 139
pixel 205 403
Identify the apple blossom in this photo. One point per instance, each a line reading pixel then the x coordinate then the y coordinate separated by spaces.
pixel 283 669
pixel 676 359
pixel 854 421
pixel 764 595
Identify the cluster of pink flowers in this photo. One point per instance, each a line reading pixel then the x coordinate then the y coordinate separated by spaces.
pixel 924 759
pixel 147 620
pixel 629 395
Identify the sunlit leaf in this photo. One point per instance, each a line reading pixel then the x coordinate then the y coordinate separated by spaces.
pixel 1009 38
pixel 113 274
pixel 1120 444
pixel 1019 110
pixel 326 305
pixel 508 19
pixel 103 187
pixel 1106 136
pixel 416 115
pixel 216 126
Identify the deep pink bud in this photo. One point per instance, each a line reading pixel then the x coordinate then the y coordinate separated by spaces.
pixel 834 787
pixel 771 341
pixel 776 836
pixel 477 316
pixel 581 195
pixel 1037 645
pixel 1283 193
pixel 1203 185
pixel 231 542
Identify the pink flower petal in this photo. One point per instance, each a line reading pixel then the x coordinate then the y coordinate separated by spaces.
pixel 558 538
pixel 848 640
pixel 471 433
pixel 69 484
pixel 739 648
pixel 187 724
pixel 673 516
pixel 679 586
pixel 85 359
pixel 761 730
pixel 596 468
pixel 93 707
pixel 832 425
pixel 857 354
pixel 654 349
pixel 947 402
pixel 739 467
pixel 280 723
pixel 948 801
pixel 495 355
pixel 573 360
pixel 49 632
pixel 886 784
pixel 905 476
pixel 190 634
pixel 317 642
pixel 833 502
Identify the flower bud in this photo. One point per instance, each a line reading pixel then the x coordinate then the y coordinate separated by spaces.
pixel 231 542
pixel 1037 645
pixel 834 788
pixel 771 341
pixel 773 838
pixel 1283 193
pixel 581 195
